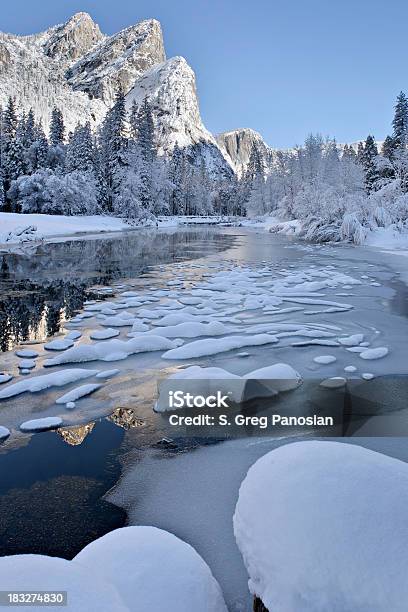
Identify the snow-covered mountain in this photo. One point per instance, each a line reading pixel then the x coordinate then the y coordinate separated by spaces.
pixel 118 60
pixel 237 146
pixel 78 69
pixel 170 90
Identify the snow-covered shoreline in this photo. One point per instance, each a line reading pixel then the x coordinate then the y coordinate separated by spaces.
pixel 17 228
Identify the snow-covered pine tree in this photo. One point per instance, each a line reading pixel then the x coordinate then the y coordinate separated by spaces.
pixel 37 153
pixel 112 154
pixel 388 147
pixel 400 121
pixel 369 164
pixel 12 153
pixel 80 153
pixel 57 128
pixel 176 178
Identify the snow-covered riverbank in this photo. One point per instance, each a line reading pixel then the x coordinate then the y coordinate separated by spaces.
pixel 24 228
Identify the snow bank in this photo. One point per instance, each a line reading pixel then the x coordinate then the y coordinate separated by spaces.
pixel 48 226
pixel 153 570
pixel 323 526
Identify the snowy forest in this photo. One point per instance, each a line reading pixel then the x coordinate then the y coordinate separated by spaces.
pixel 337 192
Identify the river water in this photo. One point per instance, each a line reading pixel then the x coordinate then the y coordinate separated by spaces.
pixel 55 481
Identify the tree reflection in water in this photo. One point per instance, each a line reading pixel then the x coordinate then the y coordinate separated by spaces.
pixel 40 290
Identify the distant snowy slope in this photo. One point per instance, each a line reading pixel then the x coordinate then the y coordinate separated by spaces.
pixel 237 146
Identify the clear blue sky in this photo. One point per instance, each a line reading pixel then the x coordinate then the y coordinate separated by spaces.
pixel 284 68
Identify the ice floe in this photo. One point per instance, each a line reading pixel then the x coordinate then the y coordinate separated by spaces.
pixel 325 359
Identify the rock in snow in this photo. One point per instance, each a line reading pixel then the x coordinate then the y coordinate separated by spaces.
pixel 323 526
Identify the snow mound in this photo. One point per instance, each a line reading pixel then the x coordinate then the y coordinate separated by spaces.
pixel 41 424
pixel 280 377
pixel 352 340
pixel 211 346
pixel 39 383
pixel 4 433
pixel 111 350
pixel 336 382
pixel 59 344
pixel 317 531
pixel 26 354
pixel 103 334
pixel 325 359
pixel 77 393
pixel 374 353
pixel 40 573
pixel 4 378
pixel 153 570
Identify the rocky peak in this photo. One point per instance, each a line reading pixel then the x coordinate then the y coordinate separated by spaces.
pixel 72 39
pixel 118 61
pixel 237 145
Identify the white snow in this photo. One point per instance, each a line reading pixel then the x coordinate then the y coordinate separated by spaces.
pixel 374 353
pixel 41 424
pixel 59 344
pixel 367 376
pixel 86 591
pixel 322 526
pixel 350 368
pixel 111 350
pixel 45 381
pixel 26 353
pixel 105 374
pixel 77 393
pixel 4 433
pixel 212 346
pixel 153 570
pixel 190 329
pixel 279 377
pixel 333 383
pixel 103 334
pixel 26 364
pixel 351 340
pixel 48 226
pixel 5 378
pixel 325 359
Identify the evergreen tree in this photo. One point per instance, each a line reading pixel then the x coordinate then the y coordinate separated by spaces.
pixel 12 154
pixel 80 150
pixel 112 153
pixel 369 164
pixel 388 148
pixel 400 121
pixel 176 177
pixel 57 128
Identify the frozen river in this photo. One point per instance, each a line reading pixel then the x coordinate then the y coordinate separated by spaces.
pixel 129 311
